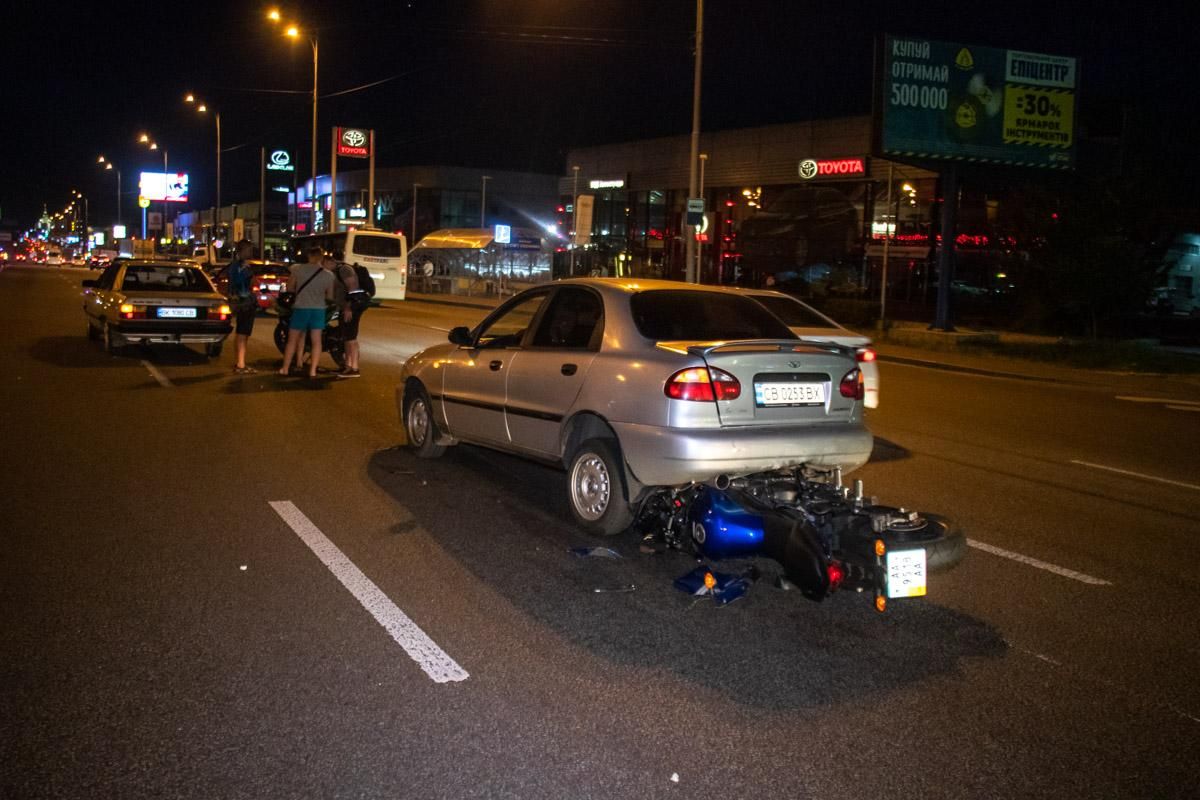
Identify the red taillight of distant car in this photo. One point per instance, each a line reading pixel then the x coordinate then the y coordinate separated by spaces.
pixel 852 385
pixel 703 384
pixel 865 355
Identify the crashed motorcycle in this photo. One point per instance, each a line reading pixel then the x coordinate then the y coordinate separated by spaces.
pixel 827 537
pixel 331 336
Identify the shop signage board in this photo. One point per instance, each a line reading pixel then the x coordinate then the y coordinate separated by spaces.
pixel 583 218
pixel 695 210
pixel 955 102
pixel 826 168
pixel 353 142
pixel 280 161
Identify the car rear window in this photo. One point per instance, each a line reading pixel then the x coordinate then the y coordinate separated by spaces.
pixel 378 246
pixel 793 313
pixel 670 315
pixel 164 279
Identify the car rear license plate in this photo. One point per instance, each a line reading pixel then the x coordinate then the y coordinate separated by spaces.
pixel 273 287
pixel 177 313
pixel 906 573
pixel 789 394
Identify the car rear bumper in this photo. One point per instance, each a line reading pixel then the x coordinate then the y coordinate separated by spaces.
pixel 154 332
pixel 662 456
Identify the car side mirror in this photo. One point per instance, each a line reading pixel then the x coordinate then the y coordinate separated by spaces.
pixel 89 284
pixel 461 336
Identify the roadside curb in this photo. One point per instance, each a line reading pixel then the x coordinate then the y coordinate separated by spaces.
pixel 458 303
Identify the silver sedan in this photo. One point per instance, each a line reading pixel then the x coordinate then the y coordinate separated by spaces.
pixel 633 385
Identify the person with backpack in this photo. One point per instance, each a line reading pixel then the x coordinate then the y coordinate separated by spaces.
pixel 352 292
pixel 241 298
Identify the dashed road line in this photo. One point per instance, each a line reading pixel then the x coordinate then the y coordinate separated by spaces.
pixel 1140 475
pixel 1183 408
pixel 157 374
pixel 420 648
pixel 1164 400
pixel 1039 564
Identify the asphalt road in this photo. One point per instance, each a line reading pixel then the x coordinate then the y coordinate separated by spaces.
pixel 188 558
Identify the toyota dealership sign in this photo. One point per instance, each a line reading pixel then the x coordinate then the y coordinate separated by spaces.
pixel 812 168
pixel 353 142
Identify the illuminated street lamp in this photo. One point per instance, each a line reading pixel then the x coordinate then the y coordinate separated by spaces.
pixel 292 31
pixel 202 108
pixel 108 166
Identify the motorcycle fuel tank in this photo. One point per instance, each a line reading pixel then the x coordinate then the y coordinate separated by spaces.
pixel 723 528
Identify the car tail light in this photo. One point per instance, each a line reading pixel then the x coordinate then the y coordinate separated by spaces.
pixel 704 384
pixel 258 288
pixel 836 573
pixel 129 311
pixel 221 312
pixel 852 385
pixel 865 355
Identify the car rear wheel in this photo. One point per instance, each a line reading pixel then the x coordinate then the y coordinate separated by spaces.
pixel 112 341
pixel 596 488
pixel 92 333
pixel 419 426
pixel 213 349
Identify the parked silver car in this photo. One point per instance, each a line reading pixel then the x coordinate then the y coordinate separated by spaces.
pixel 633 385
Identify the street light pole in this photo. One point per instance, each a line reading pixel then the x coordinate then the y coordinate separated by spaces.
pixel 313 222
pixel 574 217
pixel 690 241
pixel 413 233
pixel 692 234
pixel 483 202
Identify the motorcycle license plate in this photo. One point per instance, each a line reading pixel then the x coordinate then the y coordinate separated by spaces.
pixel 177 313
pixel 789 394
pixel 906 573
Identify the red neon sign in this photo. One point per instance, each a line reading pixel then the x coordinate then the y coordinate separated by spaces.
pixel 812 168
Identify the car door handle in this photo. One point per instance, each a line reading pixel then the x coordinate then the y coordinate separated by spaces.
pixel 569 369
pixel 495 366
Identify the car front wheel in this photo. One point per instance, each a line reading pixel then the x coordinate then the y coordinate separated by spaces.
pixel 596 488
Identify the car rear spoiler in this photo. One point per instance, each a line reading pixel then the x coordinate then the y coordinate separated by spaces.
pixel 769 346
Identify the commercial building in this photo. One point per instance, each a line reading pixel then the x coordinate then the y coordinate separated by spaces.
pixel 800 201
pixel 443 197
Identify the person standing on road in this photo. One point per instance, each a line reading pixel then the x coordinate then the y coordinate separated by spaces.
pixel 312 285
pixel 346 295
pixel 243 302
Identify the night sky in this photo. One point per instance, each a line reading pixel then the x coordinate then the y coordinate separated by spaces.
pixel 505 84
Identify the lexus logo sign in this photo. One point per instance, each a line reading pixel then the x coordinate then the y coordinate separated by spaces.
pixel 280 161
pixel 353 142
pixel 833 168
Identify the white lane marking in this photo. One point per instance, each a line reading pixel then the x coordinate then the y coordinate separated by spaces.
pixel 1141 475
pixel 1183 408
pixel 423 650
pixel 163 380
pixel 1136 399
pixel 1033 562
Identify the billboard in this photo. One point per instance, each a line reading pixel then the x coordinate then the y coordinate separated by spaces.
pixel 167 187
pixel 956 102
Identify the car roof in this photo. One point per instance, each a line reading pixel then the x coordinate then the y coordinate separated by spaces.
pixel 157 262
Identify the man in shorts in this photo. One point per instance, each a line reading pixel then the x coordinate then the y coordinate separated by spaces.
pixel 312 284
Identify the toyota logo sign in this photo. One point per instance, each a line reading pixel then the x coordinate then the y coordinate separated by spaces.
pixel 833 168
pixel 808 169
pixel 353 142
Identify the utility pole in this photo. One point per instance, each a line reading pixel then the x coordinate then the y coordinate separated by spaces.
pixel 312 227
pixel 483 202
pixel 412 234
pixel 700 245
pixel 887 239
pixel 690 241
pixel 262 203
pixel 574 217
